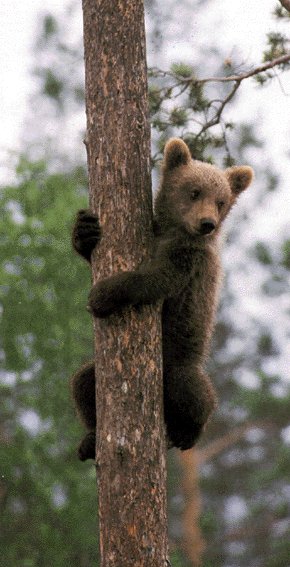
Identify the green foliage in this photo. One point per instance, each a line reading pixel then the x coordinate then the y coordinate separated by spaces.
pixel 196 97
pixel 263 254
pixel 267 403
pixel 281 13
pixel 265 345
pixel 155 99
pixel 281 554
pixel 262 79
pixel 248 137
pixel 277 43
pixel 208 523
pixel 50 26
pixel 178 117
pixel 178 560
pixel 181 70
pixel 199 145
pixel 277 46
pixel 46 335
pixel 52 85
pixel 286 254
pixel 61 80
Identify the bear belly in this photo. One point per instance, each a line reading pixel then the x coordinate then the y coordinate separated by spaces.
pixel 188 319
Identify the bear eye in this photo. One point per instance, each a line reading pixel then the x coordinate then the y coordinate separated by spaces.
pixel 194 194
pixel 220 205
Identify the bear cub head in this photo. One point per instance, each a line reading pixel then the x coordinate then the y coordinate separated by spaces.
pixel 194 195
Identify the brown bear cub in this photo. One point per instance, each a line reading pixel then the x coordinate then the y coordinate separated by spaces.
pixel 193 200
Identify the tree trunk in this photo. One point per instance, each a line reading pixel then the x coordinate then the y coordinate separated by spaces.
pixel 130 452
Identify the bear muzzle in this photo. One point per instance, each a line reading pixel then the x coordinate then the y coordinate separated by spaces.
pixel 207 226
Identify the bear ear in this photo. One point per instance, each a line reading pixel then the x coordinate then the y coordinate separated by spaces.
pixel 239 177
pixel 176 153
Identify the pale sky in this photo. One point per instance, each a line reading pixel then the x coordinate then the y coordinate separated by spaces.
pixel 241 27
pixel 18 29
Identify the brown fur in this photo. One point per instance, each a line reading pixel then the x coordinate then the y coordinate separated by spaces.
pixel 193 200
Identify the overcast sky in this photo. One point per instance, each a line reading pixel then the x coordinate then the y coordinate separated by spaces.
pixel 241 24
pixel 241 28
pixel 18 28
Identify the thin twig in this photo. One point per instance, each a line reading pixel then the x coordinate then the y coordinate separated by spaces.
pixel 260 69
pixel 215 120
pixel 182 83
pixel 238 77
pixel 280 83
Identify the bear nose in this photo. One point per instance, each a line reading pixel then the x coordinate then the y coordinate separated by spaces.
pixel 207 226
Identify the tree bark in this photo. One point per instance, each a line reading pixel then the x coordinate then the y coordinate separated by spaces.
pixel 130 451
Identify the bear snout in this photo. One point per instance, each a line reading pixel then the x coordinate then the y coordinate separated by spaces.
pixel 207 226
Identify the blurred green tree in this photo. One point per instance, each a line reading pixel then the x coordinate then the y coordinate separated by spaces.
pixel 46 518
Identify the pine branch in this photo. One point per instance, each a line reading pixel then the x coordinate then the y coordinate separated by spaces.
pixel 183 78
pixel 240 77
pixel 282 60
pixel 216 119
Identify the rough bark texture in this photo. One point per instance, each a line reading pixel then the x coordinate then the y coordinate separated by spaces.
pixel 130 452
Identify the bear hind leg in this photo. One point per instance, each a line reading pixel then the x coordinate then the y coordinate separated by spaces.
pixel 87 447
pixel 189 400
pixel 84 392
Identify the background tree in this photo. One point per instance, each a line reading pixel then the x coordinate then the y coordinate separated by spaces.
pixel 46 519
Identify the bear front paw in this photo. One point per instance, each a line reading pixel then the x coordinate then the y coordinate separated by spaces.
pixel 86 233
pixel 101 302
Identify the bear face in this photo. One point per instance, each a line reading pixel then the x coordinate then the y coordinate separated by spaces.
pixel 196 196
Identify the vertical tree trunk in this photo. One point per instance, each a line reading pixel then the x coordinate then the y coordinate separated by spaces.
pixel 130 452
